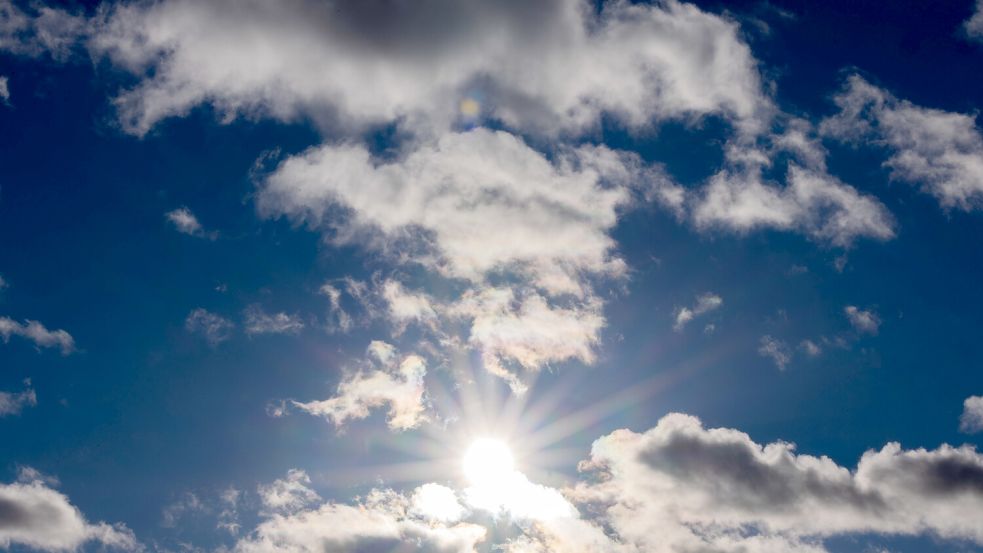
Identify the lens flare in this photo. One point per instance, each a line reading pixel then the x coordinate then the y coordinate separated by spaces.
pixel 488 462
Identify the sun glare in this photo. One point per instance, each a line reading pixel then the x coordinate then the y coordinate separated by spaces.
pixel 488 462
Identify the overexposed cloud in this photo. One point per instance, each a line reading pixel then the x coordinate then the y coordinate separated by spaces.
pixel 865 321
pixel 940 151
pixel 215 328
pixel 37 333
pixel 430 66
pixel 257 321
pixel 391 381
pixel 971 421
pixel 38 517
pixel 705 303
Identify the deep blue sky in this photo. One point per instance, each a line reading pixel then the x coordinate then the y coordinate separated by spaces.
pixel 145 411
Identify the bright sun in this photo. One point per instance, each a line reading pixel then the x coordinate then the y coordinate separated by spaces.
pixel 488 462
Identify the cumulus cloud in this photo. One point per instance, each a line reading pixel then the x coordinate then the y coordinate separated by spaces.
pixel 392 381
pixel 407 307
pixel 187 223
pixel 430 66
pixel 214 328
pixel 34 515
pixel 382 521
pixel 37 333
pixel 940 151
pixel 705 303
pixel 863 320
pixel 288 495
pixel 682 487
pixel 257 321
pixel 12 403
pixel 776 350
pixel 971 420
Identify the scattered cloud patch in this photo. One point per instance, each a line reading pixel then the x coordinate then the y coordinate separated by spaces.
pixel 187 223
pixel 391 381
pixel 289 494
pixel 940 151
pixel 865 321
pixel 12 403
pixel 257 321
pixel 776 350
pixel 974 25
pixel 971 420
pixel 214 328
pixel 705 303
pixel 37 333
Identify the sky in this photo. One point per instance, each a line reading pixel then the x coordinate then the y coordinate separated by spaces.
pixel 457 276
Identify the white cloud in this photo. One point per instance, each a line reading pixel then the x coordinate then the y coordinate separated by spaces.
pixel 258 321
pixel 939 150
pixel 394 382
pixel 382 521
pixel 705 303
pixel 811 348
pixel 863 320
pixel 681 487
pixel 35 516
pixel 187 223
pixel 288 495
pixel 5 97
pixel 430 66
pixel 776 350
pixel 407 307
pixel 435 502
pixel 12 403
pixel 971 420
pixel 37 333
pixel 214 328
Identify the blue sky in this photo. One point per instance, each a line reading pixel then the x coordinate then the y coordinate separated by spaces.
pixel 274 276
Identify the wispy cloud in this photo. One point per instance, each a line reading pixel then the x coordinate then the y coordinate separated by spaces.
pixel 37 333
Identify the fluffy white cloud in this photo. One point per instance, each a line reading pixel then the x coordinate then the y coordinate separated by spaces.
pixel 214 328
pixel 939 150
pixel 12 403
pixel 705 303
pixel 863 320
pixel 257 321
pixel 812 202
pixel 37 333
pixel 971 420
pixel 187 223
pixel 34 515
pixel 393 382
pixel 407 307
pixel 435 502
pixel 776 350
pixel 549 66
pixel 682 487
pixel 382 521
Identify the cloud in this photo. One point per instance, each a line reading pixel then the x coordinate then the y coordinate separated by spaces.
pixel 435 502
pixel 394 382
pixel 864 321
pixel 3 283
pixel 186 223
pixel 37 333
pixel 40 30
pixel 429 67
pixel 940 151
pixel 971 420
pixel 35 516
pixel 288 495
pixel 704 304
pixel 258 321
pixel 407 307
pixel 214 328
pixel 382 521
pixel 811 348
pixel 682 487
pixel 5 97
pixel 974 25
pixel 776 350
pixel 12 403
